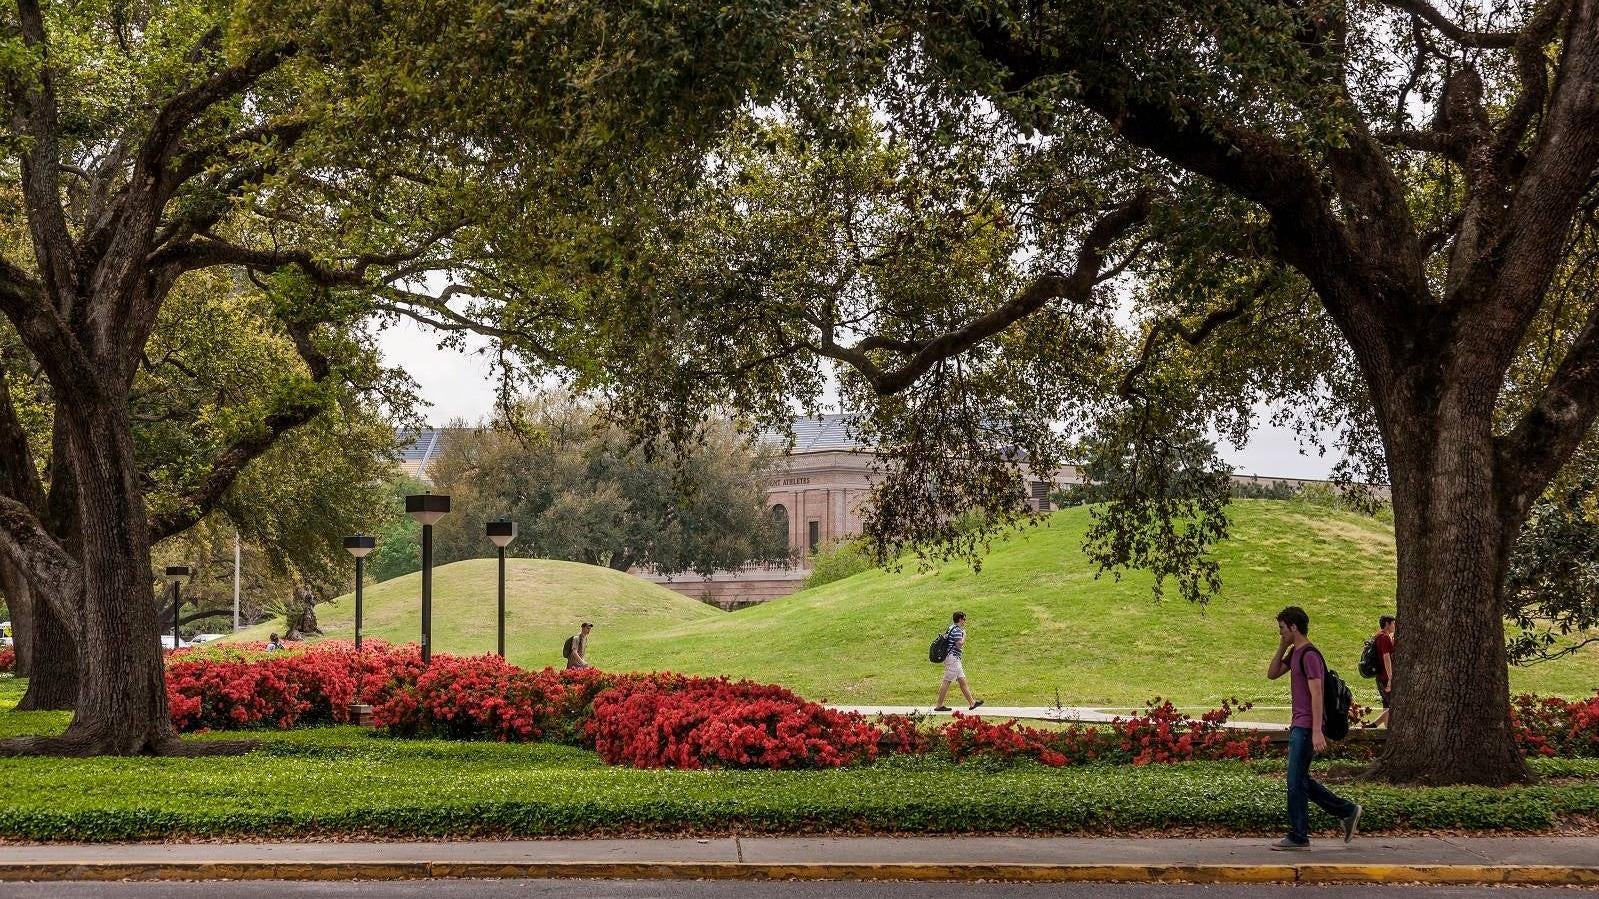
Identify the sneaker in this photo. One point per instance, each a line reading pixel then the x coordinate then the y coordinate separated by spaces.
pixel 1287 845
pixel 974 705
pixel 1351 821
pixel 942 708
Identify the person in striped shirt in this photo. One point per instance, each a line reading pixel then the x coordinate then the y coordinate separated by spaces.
pixel 953 671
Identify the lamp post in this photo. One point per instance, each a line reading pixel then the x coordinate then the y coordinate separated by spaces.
pixel 359 545
pixel 427 509
pixel 501 533
pixel 176 575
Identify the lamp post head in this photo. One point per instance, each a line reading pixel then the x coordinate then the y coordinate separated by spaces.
pixel 179 574
pixel 427 508
pixel 359 545
pixel 501 532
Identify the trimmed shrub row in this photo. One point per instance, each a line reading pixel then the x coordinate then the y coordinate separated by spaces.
pixel 552 793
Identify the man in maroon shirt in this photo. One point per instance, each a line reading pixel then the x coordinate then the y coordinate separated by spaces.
pixel 1385 666
pixel 1298 657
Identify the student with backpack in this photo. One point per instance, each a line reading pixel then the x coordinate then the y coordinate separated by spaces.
pixel 1377 660
pixel 947 649
pixel 1320 710
pixel 575 649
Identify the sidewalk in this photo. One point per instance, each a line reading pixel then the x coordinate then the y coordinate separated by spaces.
pixel 1064 714
pixel 1541 860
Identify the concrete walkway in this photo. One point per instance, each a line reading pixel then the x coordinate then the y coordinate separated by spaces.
pixel 1062 714
pixel 1543 859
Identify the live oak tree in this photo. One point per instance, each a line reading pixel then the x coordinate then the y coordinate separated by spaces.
pixel 341 156
pixel 217 368
pixel 1381 213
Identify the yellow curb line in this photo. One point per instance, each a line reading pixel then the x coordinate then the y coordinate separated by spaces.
pixel 1563 875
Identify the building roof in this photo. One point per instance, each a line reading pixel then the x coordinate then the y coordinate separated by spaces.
pixel 418 448
pixel 821 433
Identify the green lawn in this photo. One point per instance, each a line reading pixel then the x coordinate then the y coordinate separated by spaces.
pixel 346 780
pixel 1042 625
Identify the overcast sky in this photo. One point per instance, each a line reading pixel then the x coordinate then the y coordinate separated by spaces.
pixel 458 385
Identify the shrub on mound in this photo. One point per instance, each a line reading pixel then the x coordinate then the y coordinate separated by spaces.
pixel 672 721
pixel 8 660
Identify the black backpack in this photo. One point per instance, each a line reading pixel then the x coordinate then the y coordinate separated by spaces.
pixel 1336 698
pixel 566 648
pixel 1369 663
pixel 939 651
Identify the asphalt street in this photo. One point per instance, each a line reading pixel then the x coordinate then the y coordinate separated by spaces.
pixel 681 889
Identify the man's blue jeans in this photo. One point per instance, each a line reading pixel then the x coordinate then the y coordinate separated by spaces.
pixel 1302 787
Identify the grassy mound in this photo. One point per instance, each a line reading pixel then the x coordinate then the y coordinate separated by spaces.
pixel 545 601
pixel 1042 624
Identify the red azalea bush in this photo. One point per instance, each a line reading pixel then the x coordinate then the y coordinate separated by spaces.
pixel 968 737
pixel 8 660
pixel 672 721
pixel 1552 726
pixel 669 720
pixel 1163 734
pixel 904 735
pixel 240 687
pixel 486 697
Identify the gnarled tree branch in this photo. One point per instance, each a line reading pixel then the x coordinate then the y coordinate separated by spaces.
pixel 1076 287
pixel 1430 14
pixel 225 469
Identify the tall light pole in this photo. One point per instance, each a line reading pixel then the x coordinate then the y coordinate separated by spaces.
pixel 236 555
pixel 501 533
pixel 176 575
pixel 427 509
pixel 359 545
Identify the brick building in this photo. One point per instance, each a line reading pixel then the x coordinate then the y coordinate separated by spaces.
pixel 816 498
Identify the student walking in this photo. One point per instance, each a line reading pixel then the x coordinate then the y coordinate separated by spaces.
pixel 1384 643
pixel 577 647
pixel 1297 657
pixel 953 670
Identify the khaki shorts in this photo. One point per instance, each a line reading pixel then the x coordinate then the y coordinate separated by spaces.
pixel 952 668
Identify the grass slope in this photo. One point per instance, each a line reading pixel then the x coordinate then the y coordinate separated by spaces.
pixel 1042 623
pixel 545 603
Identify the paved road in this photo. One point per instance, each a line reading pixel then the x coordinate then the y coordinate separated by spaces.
pixel 642 889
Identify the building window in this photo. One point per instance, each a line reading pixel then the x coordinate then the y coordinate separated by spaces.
pixel 780 523
pixel 814 535
pixel 1041 495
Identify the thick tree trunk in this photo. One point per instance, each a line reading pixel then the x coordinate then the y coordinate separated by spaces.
pixel 53 677
pixel 121 703
pixel 1451 719
pixel 53 683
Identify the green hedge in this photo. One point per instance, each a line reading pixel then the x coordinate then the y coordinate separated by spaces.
pixel 329 780
pixel 346 780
